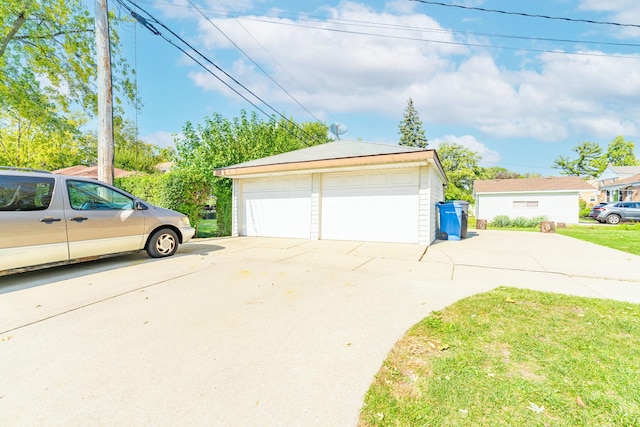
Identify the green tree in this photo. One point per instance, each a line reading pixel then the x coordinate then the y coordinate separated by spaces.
pixel 589 162
pixel 461 166
pixel 47 65
pixel 497 172
pixel 621 153
pixel 133 154
pixel 411 131
pixel 23 143
pixel 222 142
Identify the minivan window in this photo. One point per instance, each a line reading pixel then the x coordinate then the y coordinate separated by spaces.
pixel 25 193
pixel 94 196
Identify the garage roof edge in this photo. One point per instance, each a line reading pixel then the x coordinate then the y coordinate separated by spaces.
pixel 427 156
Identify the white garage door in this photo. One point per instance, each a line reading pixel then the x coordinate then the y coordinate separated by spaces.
pixel 379 206
pixel 277 207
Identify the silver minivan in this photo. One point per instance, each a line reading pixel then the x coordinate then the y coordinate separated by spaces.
pixel 48 219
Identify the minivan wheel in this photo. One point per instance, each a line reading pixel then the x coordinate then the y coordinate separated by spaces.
pixel 613 219
pixel 162 243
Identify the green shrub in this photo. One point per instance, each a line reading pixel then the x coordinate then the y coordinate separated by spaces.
pixel 223 193
pixel 503 221
pixel 183 190
pixel 187 191
pixel 536 220
pixel 584 208
pixel 520 222
pixel 500 221
pixel 146 187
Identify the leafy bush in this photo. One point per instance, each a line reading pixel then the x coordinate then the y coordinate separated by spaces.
pixel 536 220
pixel 187 191
pixel 520 222
pixel 223 193
pixel 503 221
pixel 584 209
pixel 500 221
pixel 146 187
pixel 183 190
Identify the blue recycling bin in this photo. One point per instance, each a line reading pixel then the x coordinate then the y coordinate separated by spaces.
pixel 453 220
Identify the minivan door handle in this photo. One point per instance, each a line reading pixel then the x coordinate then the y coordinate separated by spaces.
pixel 79 218
pixel 49 220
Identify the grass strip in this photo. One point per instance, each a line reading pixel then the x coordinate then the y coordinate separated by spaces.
pixel 625 237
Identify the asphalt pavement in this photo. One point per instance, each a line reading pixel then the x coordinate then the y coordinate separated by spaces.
pixel 254 331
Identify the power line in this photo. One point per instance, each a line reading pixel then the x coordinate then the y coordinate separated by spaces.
pixel 448 42
pixel 367 24
pixel 528 15
pixel 155 31
pixel 321 19
pixel 251 59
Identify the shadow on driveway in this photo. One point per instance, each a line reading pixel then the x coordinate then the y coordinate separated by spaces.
pixel 31 279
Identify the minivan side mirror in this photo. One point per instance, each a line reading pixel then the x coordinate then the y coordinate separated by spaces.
pixel 139 206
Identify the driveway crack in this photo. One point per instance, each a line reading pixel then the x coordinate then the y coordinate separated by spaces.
pixel 71 310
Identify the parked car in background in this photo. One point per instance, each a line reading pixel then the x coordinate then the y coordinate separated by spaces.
pixel 614 213
pixel 595 211
pixel 48 219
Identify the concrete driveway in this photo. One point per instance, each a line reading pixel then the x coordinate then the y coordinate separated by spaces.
pixel 250 331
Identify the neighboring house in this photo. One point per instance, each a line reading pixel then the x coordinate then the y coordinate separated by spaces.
pixel 619 183
pixel 557 198
pixel 164 167
pixel 91 171
pixel 342 190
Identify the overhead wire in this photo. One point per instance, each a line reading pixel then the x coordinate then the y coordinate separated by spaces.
pixel 528 15
pixel 155 31
pixel 450 42
pixel 365 24
pixel 371 24
pixel 251 59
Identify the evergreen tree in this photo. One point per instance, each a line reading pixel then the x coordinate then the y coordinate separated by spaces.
pixel 589 162
pixel 411 132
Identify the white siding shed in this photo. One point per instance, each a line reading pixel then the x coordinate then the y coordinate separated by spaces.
pixel 556 198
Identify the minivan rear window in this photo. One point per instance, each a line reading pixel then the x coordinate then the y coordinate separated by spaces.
pixel 25 193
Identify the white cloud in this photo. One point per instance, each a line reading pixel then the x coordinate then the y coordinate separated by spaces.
pixel 342 71
pixel 161 139
pixel 551 96
pixel 619 11
pixel 401 6
pixel 489 157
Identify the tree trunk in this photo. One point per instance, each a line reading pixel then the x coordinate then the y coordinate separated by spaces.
pixel 14 30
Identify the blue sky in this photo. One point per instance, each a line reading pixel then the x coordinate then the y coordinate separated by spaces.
pixel 519 91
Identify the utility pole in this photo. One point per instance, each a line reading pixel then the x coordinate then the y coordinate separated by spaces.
pixel 105 94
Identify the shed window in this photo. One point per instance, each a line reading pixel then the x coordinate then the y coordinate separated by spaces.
pixel 525 203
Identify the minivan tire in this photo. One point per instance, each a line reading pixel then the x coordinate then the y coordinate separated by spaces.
pixel 163 243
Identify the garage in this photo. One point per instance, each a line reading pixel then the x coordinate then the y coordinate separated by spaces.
pixel 342 190
pixel 379 206
pixel 277 207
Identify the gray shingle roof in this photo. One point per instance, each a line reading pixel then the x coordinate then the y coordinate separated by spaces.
pixel 340 149
pixel 625 170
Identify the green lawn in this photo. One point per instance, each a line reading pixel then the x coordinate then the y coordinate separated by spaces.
pixel 513 357
pixel 625 237
pixel 207 228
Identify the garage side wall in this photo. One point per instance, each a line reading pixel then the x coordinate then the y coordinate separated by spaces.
pixel 556 206
pixel 431 192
